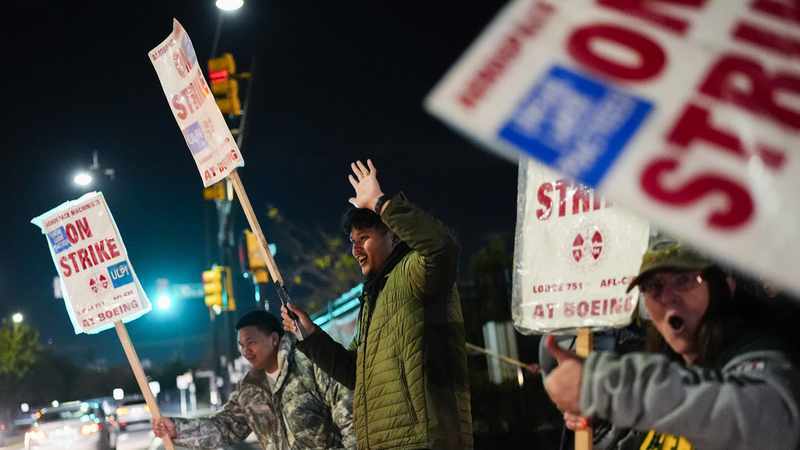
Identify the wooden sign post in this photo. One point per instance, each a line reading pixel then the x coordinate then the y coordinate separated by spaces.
pixel 255 227
pixel 503 358
pixel 138 373
pixel 583 346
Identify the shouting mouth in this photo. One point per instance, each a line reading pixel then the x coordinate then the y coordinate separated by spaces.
pixel 677 323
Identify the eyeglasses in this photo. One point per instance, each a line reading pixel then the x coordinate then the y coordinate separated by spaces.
pixel 654 286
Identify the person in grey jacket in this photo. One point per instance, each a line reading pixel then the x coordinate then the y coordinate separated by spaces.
pixel 714 379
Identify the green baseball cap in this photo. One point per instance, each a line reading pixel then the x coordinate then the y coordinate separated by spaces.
pixel 669 255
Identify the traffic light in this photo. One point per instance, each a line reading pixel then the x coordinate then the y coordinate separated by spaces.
pixel 212 287
pixel 217 191
pixel 255 263
pixel 230 301
pixel 223 84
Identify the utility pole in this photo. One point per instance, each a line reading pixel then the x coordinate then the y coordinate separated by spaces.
pixel 224 80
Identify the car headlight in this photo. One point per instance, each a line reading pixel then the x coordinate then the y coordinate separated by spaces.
pixel 90 428
pixel 36 435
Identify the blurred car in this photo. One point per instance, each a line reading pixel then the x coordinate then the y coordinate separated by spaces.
pixel 72 425
pixel 5 432
pixel 133 414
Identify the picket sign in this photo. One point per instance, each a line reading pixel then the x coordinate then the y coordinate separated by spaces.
pixel 215 152
pixel 685 112
pixel 99 285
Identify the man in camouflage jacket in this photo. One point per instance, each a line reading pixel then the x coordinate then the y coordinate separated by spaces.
pixel 289 403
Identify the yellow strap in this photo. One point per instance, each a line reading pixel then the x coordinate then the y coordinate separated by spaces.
pixel 657 441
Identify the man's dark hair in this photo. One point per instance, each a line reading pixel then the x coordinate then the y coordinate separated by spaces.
pixel 361 219
pixel 262 320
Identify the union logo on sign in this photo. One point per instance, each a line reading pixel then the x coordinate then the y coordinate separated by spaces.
pixel 587 246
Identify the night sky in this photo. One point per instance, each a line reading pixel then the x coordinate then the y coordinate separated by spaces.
pixel 335 81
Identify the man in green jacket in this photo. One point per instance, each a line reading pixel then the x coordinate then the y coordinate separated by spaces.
pixel 407 363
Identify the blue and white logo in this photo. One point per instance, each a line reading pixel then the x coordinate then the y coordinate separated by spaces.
pixel 575 124
pixel 58 240
pixel 195 138
pixel 120 274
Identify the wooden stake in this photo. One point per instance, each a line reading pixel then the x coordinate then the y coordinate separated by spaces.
pixel 583 346
pixel 503 358
pixel 138 373
pixel 274 273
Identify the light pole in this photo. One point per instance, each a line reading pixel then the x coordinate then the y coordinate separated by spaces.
pixel 84 178
pixel 17 318
pixel 224 6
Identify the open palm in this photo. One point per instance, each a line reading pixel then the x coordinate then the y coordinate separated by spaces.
pixel 365 182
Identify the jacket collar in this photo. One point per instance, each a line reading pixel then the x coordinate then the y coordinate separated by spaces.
pixel 373 283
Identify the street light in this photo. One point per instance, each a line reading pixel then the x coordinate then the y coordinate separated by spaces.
pixel 17 318
pixel 164 302
pixel 229 5
pixel 85 177
pixel 82 179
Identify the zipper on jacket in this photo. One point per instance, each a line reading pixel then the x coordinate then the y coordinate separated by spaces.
pixel 406 391
pixel 363 351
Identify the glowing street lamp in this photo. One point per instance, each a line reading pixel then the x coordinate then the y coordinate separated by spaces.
pixel 85 178
pixel 155 387
pixel 17 318
pixel 229 5
pixel 164 302
pixel 82 179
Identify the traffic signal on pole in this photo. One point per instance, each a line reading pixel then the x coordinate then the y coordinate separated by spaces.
pixel 255 262
pixel 212 287
pixel 229 302
pixel 217 191
pixel 224 86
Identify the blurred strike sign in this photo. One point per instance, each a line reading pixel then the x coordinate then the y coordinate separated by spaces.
pixel 687 112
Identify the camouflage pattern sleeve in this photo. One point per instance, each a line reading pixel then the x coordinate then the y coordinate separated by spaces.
pixel 226 427
pixel 331 356
pixel 340 402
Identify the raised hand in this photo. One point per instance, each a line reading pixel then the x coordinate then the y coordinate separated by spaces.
pixel 563 384
pixel 302 320
pixel 365 182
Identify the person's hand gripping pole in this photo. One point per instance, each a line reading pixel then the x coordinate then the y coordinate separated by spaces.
pixel 252 220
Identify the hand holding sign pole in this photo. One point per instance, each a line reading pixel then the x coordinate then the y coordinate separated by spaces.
pixel 213 148
pixel 99 286
pixel 272 267
pixel 141 378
